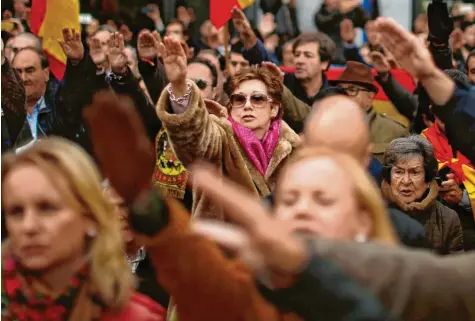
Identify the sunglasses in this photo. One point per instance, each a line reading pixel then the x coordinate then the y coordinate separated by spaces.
pixel 258 100
pixel 354 91
pixel 201 83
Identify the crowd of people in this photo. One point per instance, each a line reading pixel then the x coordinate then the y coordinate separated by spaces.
pixel 169 176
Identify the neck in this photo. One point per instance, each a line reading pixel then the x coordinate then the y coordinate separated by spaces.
pixel 312 86
pixel 57 277
pixel 30 104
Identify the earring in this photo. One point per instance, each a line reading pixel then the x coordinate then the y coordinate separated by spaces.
pixel 91 232
pixel 361 238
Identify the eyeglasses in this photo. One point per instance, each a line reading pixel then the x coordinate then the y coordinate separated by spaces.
pixel 354 91
pixel 201 83
pixel 414 174
pixel 258 100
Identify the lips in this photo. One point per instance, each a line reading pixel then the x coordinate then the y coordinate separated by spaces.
pixel 32 250
pixel 248 118
pixel 406 192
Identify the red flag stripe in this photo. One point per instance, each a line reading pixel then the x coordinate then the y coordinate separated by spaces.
pixel 38 12
pixel 220 11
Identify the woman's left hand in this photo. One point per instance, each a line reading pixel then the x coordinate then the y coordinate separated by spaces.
pixel 450 191
pixel 261 241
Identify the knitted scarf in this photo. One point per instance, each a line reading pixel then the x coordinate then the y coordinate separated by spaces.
pixel 23 301
pixel 259 151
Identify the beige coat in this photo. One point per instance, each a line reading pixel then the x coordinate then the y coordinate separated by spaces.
pixel 383 131
pixel 196 135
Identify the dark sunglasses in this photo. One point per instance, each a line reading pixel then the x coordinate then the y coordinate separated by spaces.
pixel 258 100
pixel 201 83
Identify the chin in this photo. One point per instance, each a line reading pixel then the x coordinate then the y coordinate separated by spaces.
pixel 35 263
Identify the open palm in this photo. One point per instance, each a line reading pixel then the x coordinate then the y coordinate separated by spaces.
pixel 148 44
pixel 174 60
pixel 116 54
pixel 72 45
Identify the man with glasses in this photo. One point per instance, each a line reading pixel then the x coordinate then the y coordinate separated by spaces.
pixel 205 76
pixel 358 82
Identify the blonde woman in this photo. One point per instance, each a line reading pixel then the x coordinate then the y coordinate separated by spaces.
pixel 328 194
pixel 64 258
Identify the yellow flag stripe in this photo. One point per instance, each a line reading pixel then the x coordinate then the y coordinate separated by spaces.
pixel 60 14
pixel 245 3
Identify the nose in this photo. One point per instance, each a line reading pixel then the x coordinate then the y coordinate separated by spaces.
pixel 406 179
pixel 23 75
pixel 302 211
pixel 29 222
pixel 248 104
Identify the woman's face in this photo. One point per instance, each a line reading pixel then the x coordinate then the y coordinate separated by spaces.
pixel 44 229
pixel 408 180
pixel 323 206
pixel 257 115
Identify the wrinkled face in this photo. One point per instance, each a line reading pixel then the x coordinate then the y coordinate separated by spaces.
pixel 202 76
pixel 287 55
pixel 316 206
pixel 44 229
pixel 471 69
pixel 35 78
pixel 362 96
pixel 257 112
pixel 175 31
pixel 408 180
pixel 237 63
pixel 122 211
pixel 103 36
pixel 307 61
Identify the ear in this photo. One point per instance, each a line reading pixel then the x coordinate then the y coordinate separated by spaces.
pixel 46 74
pixel 274 110
pixel 324 65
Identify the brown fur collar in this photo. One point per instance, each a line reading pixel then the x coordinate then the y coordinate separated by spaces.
pixel 414 207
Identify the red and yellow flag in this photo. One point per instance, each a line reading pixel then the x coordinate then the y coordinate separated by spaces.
pixel 48 19
pixel 220 10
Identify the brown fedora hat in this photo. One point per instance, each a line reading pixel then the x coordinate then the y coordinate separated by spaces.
pixel 358 74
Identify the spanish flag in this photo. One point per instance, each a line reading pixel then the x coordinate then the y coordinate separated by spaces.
pixel 220 10
pixel 48 19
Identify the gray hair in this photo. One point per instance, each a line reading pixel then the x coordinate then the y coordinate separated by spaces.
pixel 27 35
pixel 105 27
pixel 405 148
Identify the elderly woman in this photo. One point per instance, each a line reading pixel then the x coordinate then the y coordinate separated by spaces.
pixel 64 257
pixel 409 172
pixel 250 145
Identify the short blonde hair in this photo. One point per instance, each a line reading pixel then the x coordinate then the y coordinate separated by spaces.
pixel 367 193
pixel 110 273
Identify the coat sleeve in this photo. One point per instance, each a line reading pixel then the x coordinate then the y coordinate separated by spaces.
pixel 204 284
pixel 412 284
pixel 455 236
pixel 194 134
pixel 294 109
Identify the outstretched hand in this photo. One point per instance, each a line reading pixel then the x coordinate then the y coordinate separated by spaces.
pixel 408 51
pixel 72 45
pixel 215 108
pixel 116 53
pixel 121 144
pixel 274 69
pixel 174 60
pixel 242 25
pixel 148 44
pixel 98 56
pixel 264 243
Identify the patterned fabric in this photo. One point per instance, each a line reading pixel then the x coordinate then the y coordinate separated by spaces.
pixel 20 302
pixel 259 151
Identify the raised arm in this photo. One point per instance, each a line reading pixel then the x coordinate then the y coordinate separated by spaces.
pixel 193 132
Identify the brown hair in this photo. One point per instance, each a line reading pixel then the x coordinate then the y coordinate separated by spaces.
pixel 367 193
pixel 274 85
pixel 326 46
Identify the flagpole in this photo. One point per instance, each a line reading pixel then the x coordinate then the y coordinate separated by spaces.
pixel 226 46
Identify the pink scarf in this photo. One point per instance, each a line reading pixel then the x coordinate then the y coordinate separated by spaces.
pixel 259 151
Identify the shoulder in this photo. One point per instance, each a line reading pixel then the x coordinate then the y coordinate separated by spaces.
pixel 383 117
pixel 288 134
pixel 447 214
pixel 140 308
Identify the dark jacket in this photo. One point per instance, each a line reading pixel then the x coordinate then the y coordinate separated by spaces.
pixel 323 292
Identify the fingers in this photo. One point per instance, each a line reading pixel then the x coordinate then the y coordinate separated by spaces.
pixel 95 44
pixel 242 207
pixel 238 14
pixel 449 183
pixel 156 37
pixel 162 50
pixel 66 35
pixel 226 235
